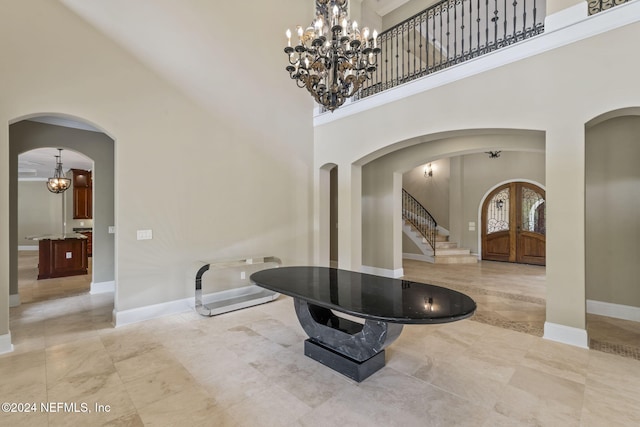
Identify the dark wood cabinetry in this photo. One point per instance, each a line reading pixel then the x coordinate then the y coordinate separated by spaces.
pixel 63 257
pixel 82 194
pixel 89 235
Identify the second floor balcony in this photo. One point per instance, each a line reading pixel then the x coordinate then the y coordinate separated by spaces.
pixel 451 32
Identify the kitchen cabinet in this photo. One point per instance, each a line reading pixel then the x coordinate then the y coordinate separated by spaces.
pixel 82 194
pixel 62 256
pixel 89 235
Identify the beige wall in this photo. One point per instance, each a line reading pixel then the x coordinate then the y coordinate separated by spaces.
pixel 213 148
pixel 548 93
pixel 39 211
pixel 432 192
pixel 480 174
pixel 613 211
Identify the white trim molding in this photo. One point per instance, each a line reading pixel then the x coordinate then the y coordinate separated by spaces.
pixel 140 314
pixel 5 343
pixel 383 271
pixel 566 17
pixel 102 287
pixel 618 311
pixel 14 300
pixel 566 334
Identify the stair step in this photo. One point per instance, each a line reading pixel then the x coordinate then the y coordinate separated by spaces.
pixel 456 259
pixel 446 245
pixel 452 251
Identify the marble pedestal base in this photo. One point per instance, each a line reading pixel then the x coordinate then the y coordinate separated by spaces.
pixel 353 349
pixel 357 371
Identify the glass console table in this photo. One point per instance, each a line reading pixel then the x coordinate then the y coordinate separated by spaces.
pixel 226 286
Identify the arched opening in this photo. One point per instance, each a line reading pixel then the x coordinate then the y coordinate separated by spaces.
pixel 34 133
pixel 41 214
pixel 612 231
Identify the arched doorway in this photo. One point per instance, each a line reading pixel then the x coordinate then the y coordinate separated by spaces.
pixel 70 133
pixel 514 224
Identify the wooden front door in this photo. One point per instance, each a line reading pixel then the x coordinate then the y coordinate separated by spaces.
pixel 514 224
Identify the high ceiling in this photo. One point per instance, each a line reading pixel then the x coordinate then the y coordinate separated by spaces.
pixel 40 163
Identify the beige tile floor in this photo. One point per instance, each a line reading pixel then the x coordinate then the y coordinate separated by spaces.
pixel 247 368
pixel 31 289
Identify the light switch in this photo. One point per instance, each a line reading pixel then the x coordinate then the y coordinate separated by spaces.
pixel 69 255
pixel 243 275
pixel 112 229
pixel 145 234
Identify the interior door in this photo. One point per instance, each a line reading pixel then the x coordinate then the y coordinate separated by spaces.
pixel 513 224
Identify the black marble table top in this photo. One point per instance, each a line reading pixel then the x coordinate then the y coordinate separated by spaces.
pixel 368 296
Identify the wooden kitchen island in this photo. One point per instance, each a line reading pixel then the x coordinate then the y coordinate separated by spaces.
pixel 62 255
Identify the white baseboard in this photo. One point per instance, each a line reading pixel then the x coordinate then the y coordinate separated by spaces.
pixel 135 315
pixel 566 334
pixel 102 287
pixel 618 311
pixel 383 271
pixel 28 248
pixel 418 257
pixel 14 300
pixel 5 343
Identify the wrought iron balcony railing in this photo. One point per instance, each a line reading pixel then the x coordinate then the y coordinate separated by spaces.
pixel 596 6
pixel 448 33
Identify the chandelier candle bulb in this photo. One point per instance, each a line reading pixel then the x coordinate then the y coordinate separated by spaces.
pixel 288 33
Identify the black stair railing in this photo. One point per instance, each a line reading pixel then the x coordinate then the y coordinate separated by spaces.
pixel 448 33
pixel 420 218
pixel 596 6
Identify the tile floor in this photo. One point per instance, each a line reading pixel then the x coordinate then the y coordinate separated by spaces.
pixel 31 289
pixel 247 368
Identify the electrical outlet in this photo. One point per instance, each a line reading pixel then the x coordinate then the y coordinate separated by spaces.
pixel 243 275
pixel 69 255
pixel 145 234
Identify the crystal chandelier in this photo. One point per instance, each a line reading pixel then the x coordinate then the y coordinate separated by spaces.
pixel 58 183
pixel 332 58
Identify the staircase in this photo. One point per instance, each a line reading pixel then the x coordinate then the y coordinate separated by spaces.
pixel 446 252
pixel 449 253
pixel 422 229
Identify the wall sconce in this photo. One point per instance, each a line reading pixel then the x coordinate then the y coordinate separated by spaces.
pixel 499 204
pixel 493 154
pixel 428 171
